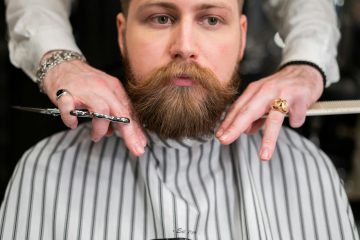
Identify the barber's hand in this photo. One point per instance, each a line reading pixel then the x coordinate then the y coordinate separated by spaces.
pixel 98 92
pixel 299 85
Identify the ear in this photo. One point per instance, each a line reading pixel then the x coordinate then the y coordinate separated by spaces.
pixel 243 32
pixel 121 26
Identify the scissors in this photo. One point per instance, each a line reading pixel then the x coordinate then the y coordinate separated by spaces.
pixel 321 108
pixel 82 113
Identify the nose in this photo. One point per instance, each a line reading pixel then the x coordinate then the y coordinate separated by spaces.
pixel 184 44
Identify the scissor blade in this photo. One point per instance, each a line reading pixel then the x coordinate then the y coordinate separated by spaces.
pixel 49 111
pixel 83 113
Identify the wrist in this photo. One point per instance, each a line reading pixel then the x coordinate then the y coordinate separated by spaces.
pixel 310 64
pixel 53 59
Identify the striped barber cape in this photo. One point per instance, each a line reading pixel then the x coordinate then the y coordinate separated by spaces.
pixel 69 188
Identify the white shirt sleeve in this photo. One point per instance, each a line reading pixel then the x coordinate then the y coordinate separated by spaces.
pixel 310 33
pixel 308 27
pixel 36 27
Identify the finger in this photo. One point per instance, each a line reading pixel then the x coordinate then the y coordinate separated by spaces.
pixel 255 126
pixel 66 104
pixel 272 128
pixel 133 134
pixel 297 115
pixel 114 105
pixel 137 128
pixel 133 140
pixel 100 127
pixel 140 133
pixel 252 112
pixel 110 131
pixel 238 107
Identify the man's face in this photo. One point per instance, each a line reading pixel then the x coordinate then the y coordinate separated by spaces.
pixel 209 34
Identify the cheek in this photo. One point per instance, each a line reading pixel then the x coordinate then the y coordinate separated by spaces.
pixel 144 55
pixel 224 60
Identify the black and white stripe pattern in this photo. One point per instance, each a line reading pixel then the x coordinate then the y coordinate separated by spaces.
pixel 69 188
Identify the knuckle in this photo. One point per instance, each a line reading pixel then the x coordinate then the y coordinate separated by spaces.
pixel 268 142
pixel 276 119
pixel 121 109
pixel 226 122
pixel 243 110
pixel 65 113
pixel 297 122
pixel 115 81
pixel 102 108
pixel 232 130
pixel 100 127
pixel 66 101
pixel 117 88
pixel 68 120
pixel 253 85
pixel 98 134
pixel 270 86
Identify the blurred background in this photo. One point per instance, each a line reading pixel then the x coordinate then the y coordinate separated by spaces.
pixel 94 28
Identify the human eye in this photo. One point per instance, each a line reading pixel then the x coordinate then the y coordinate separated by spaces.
pixel 211 21
pixel 161 20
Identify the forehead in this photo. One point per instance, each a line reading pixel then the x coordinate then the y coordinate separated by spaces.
pixel 230 5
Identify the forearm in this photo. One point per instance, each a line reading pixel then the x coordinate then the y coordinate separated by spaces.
pixel 310 33
pixel 35 28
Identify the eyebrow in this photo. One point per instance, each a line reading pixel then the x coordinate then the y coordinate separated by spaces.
pixel 172 6
pixel 221 5
pixel 166 5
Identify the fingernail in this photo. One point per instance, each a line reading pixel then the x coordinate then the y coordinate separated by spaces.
pixel 219 133
pixel 139 150
pixel 223 137
pixel 144 142
pixel 264 154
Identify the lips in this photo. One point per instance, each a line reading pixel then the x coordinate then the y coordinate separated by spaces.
pixel 183 80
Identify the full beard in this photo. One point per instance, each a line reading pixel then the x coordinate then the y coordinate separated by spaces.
pixel 180 112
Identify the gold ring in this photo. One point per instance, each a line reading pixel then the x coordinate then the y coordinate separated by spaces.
pixel 280 105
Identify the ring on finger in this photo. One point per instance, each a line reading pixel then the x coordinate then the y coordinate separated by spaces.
pixel 280 105
pixel 61 92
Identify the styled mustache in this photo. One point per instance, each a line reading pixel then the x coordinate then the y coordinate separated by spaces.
pixel 191 70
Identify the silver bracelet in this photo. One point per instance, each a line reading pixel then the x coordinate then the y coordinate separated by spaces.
pixel 56 58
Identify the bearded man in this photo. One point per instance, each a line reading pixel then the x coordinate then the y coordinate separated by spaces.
pixel 182 60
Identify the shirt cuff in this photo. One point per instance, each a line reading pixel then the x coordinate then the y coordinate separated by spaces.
pixel 308 52
pixel 27 54
pixel 309 64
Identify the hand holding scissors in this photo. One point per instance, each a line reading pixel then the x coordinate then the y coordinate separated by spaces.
pixel 76 85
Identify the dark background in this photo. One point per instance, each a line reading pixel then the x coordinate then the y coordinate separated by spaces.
pixel 94 25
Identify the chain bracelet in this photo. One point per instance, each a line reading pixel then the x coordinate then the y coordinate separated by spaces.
pixel 56 58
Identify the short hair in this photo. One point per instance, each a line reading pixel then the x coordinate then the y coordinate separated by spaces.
pixel 125 6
